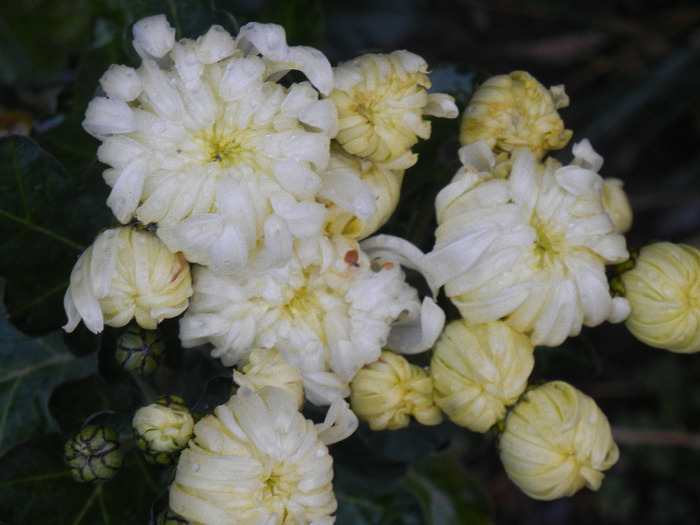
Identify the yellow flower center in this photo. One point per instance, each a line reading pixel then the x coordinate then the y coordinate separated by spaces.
pixel 228 146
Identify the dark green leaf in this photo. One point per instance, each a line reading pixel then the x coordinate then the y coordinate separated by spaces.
pixel 36 487
pixel 373 500
pixel 29 370
pixel 45 222
pixel 70 407
pixel 448 495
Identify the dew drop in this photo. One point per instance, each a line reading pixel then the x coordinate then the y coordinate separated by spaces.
pixel 319 453
pixel 196 467
pixel 158 127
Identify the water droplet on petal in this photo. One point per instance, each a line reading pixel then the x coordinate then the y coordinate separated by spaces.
pixel 196 467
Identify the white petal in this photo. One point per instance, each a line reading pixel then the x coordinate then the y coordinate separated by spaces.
pixel 340 422
pixel 412 335
pixel 126 193
pixel 121 82
pixel 107 116
pixel 154 36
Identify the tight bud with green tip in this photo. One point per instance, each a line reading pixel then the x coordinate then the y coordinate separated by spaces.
pixel 140 351
pixel 163 429
pixel 94 455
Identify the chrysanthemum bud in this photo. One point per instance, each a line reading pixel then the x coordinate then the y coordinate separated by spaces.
pixel 663 291
pixel 163 429
pixel 617 205
pixel 127 273
pixel 479 370
pixel 556 440
pixel 139 351
pixel 514 110
pixel 360 196
pixel 267 367
pixel 390 390
pixel 381 101
pixel 93 455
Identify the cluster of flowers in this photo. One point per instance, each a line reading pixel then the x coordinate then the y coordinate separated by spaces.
pixel 248 204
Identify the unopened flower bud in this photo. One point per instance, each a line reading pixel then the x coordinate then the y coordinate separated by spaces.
pixel 163 429
pixel 556 441
pixel 267 367
pixel 387 392
pixel 381 101
pixel 512 111
pixel 479 370
pixel 127 273
pixel 617 205
pixel 139 351
pixel 663 291
pixel 93 455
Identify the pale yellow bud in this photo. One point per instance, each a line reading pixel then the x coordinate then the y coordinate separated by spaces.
pixel 163 428
pixel 479 370
pixel 617 205
pixel 359 195
pixel 267 367
pixel 514 110
pixel 127 273
pixel 381 101
pixel 390 390
pixel 556 440
pixel 663 291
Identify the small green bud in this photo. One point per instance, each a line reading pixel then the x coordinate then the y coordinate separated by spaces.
pixel 93 455
pixel 140 351
pixel 163 429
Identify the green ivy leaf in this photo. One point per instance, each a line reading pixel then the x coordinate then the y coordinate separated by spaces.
pixel 45 222
pixel 448 495
pixel 36 487
pixel 30 368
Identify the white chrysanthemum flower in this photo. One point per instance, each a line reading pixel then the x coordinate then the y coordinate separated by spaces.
pixel 127 273
pixel 530 248
pixel 387 392
pixel 360 195
pixel 328 311
pixel 200 140
pixel 556 440
pixel 513 111
pixel 255 460
pixel 663 290
pixel 479 370
pixel 381 101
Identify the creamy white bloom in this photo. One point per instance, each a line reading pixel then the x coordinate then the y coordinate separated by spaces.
pixel 127 273
pixel 663 290
pixel 530 247
pixel 381 101
pixel 387 392
pixel 328 311
pixel 255 460
pixel 556 440
pixel 202 141
pixel 479 370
